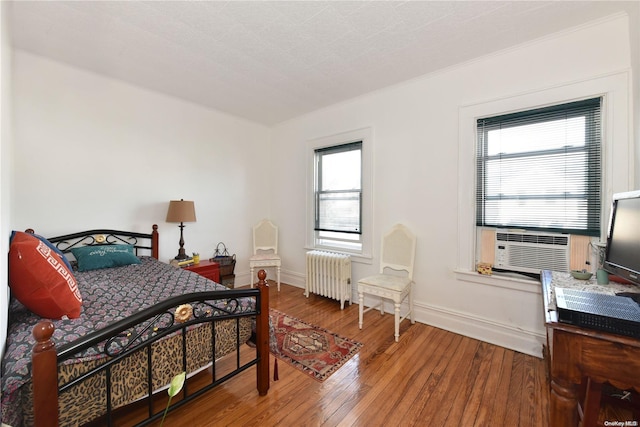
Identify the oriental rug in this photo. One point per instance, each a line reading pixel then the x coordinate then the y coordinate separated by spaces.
pixel 313 350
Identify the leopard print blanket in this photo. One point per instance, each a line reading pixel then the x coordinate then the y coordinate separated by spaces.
pixel 110 295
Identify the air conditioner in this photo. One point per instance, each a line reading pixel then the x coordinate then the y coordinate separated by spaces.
pixel 529 252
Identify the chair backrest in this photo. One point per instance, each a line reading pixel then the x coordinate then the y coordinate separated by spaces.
pixel 265 237
pixel 398 250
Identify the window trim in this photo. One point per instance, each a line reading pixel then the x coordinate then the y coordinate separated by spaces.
pixel 366 136
pixel 615 90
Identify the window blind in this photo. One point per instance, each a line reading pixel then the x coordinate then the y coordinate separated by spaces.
pixel 541 169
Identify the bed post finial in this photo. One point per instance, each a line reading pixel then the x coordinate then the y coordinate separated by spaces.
pixel 262 335
pixel 154 242
pixel 44 375
pixel 262 275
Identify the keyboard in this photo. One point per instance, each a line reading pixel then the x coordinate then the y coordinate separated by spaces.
pixel 609 313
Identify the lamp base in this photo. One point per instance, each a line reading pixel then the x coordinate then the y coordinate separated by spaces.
pixel 181 252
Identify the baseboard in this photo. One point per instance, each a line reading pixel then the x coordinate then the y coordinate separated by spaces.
pixel 483 329
pixel 292 278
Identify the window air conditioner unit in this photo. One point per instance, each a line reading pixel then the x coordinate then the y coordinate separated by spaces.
pixel 529 252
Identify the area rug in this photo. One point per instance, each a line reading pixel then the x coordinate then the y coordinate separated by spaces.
pixel 313 350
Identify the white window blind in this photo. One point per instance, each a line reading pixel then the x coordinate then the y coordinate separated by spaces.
pixel 541 169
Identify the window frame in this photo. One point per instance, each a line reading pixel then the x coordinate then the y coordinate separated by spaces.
pixel 313 240
pixel 616 93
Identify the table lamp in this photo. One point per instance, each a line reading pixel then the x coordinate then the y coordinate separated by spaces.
pixel 181 211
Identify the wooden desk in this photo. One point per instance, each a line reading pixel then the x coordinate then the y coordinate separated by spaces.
pixel 574 353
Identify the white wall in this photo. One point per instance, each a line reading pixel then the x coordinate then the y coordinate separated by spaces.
pixel 416 130
pixel 93 152
pixel 5 163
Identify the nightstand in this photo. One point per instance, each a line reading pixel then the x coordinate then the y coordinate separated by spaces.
pixel 206 268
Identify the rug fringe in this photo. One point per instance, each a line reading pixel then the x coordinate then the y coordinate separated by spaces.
pixel 275 369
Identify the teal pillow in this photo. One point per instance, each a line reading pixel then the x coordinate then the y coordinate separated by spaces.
pixel 104 256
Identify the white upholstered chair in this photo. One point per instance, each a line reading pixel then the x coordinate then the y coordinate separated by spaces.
pixel 397 254
pixel 265 248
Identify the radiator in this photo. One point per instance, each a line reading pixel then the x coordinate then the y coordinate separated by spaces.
pixel 329 275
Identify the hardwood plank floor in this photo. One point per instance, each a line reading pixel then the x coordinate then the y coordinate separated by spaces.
pixel 431 377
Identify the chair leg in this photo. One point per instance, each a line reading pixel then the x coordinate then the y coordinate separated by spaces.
pixel 413 321
pixel 360 308
pixel 251 275
pixel 381 306
pixel 397 320
pixel 278 275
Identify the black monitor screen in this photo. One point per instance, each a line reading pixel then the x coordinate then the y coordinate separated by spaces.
pixel 623 242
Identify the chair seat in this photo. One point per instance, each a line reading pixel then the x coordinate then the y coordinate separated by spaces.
pixel 265 257
pixel 386 281
pixel 265 260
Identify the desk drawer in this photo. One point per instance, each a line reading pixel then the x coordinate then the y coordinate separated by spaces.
pixel 210 271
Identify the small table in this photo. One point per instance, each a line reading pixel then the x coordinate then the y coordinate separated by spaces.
pixel 574 353
pixel 206 268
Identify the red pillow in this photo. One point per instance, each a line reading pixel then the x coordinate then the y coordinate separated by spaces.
pixel 40 280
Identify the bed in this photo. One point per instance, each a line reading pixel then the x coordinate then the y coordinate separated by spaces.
pixel 141 322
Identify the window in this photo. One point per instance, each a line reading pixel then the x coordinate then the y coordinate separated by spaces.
pixel 339 208
pixel 541 169
pixel 338 196
pixel 616 159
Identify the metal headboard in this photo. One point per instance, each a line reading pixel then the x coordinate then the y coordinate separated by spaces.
pixel 143 243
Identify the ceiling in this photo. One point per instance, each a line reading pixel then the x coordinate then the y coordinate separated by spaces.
pixel 269 61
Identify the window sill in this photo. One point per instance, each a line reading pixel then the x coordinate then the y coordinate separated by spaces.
pixel 521 284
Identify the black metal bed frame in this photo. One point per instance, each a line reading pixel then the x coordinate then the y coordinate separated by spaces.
pixel 141 330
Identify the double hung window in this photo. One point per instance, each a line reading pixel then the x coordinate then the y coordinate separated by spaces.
pixel 338 196
pixel 541 169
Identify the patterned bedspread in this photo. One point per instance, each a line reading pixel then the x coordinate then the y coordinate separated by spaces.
pixel 108 295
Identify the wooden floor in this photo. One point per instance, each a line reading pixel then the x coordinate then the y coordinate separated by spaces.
pixel 430 378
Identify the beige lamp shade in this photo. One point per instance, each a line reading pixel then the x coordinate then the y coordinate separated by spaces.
pixel 181 211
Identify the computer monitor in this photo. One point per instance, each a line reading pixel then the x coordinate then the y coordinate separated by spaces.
pixel 622 254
